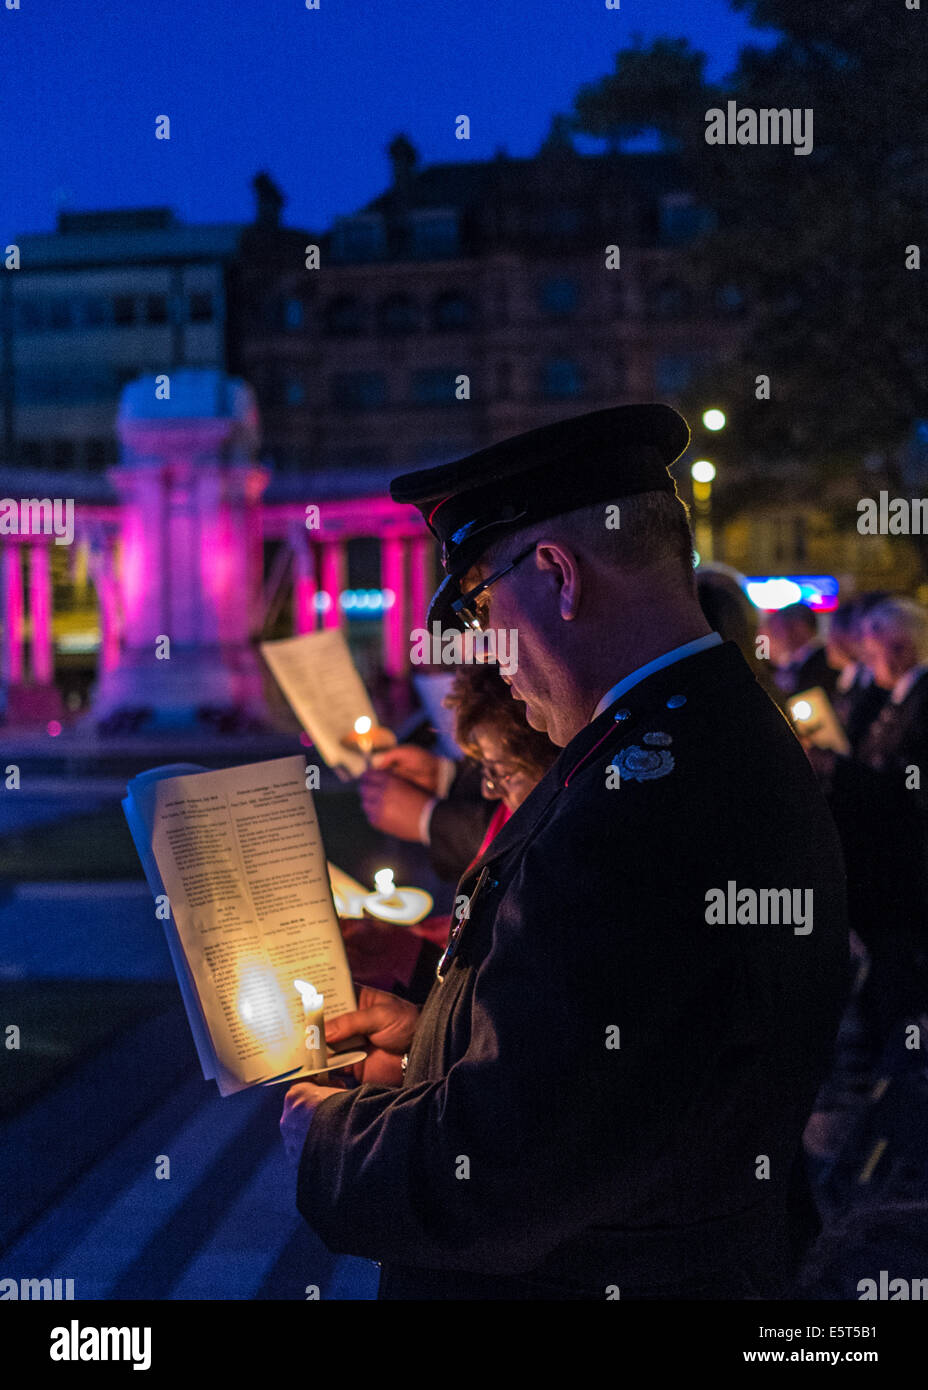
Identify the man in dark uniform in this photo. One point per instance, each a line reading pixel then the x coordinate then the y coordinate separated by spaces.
pixel 607 1087
pixel 797 651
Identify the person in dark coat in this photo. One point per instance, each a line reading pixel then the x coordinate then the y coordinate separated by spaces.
pixel 857 698
pixel 797 651
pixel 605 1092
pixel 412 793
pixel 880 801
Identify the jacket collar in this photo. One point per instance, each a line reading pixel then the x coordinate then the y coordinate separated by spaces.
pixel 716 664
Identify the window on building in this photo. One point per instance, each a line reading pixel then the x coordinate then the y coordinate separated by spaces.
pixel 453 311
pixel 670 300
pixel 96 310
pixel 682 220
pixel 359 239
pixel 95 454
pixel 562 222
pixel 434 235
pixel 59 313
pixel 561 378
pixel 435 451
pixel 124 310
pixel 399 313
pixel 29 316
pixel 675 372
pixel 31 453
pixel 359 390
pixel 294 315
pixel 343 317
pixel 434 386
pixel 201 307
pixel 358 456
pixel 619 376
pixel 156 308
pixel 728 299
pixel 559 296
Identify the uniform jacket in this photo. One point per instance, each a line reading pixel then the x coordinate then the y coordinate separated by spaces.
pixel 599 1079
pixel 811 671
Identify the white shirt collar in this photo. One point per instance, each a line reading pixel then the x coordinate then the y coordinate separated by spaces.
pixel 904 684
pixel 848 675
pixel 711 639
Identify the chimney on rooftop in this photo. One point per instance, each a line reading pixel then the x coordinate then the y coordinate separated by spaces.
pixel 403 157
pixel 268 200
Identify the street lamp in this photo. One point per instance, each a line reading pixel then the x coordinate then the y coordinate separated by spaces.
pixel 702 472
pixel 714 419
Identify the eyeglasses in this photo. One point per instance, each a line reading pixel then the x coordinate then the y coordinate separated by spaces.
pixel 498 781
pixel 464 606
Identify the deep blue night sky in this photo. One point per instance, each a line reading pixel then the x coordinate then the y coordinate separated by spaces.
pixel 313 96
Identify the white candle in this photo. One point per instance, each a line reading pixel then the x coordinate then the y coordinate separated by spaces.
pixel 317 1054
pixel 386 888
pixel 362 728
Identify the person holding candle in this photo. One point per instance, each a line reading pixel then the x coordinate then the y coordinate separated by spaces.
pixel 606 1088
pixel 411 793
pixel 511 758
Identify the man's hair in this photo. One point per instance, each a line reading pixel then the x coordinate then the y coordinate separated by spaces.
pixel 797 614
pixel 900 616
pixel 631 533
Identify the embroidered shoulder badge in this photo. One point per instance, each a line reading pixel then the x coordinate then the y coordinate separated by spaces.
pixel 645 764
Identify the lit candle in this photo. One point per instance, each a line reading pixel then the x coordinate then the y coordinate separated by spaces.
pixel 386 888
pixel 317 1055
pixel 362 728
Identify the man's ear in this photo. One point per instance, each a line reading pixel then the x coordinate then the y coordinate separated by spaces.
pixel 562 564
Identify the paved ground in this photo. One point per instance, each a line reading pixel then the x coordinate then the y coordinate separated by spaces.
pixel 81 1200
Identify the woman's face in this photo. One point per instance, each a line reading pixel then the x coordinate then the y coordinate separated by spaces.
pixel 503 779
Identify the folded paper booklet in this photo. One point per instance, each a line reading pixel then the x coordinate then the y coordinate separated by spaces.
pixel 815 720
pixel 318 676
pixel 236 864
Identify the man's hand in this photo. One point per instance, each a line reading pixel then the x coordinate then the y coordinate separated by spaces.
pixel 392 804
pixel 388 1024
pixel 299 1107
pixel 413 764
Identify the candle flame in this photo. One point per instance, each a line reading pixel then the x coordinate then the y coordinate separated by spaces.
pixel 307 992
pixel 383 878
pixel 362 725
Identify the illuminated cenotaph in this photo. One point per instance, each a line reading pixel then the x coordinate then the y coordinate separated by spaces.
pixel 190 553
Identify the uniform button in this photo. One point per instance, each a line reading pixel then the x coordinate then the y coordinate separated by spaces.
pixel 676 701
pixel 622 714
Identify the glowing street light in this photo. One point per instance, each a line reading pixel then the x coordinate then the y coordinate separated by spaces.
pixel 714 419
pixel 702 471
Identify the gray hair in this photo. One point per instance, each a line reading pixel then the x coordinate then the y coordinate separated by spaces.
pixel 900 617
